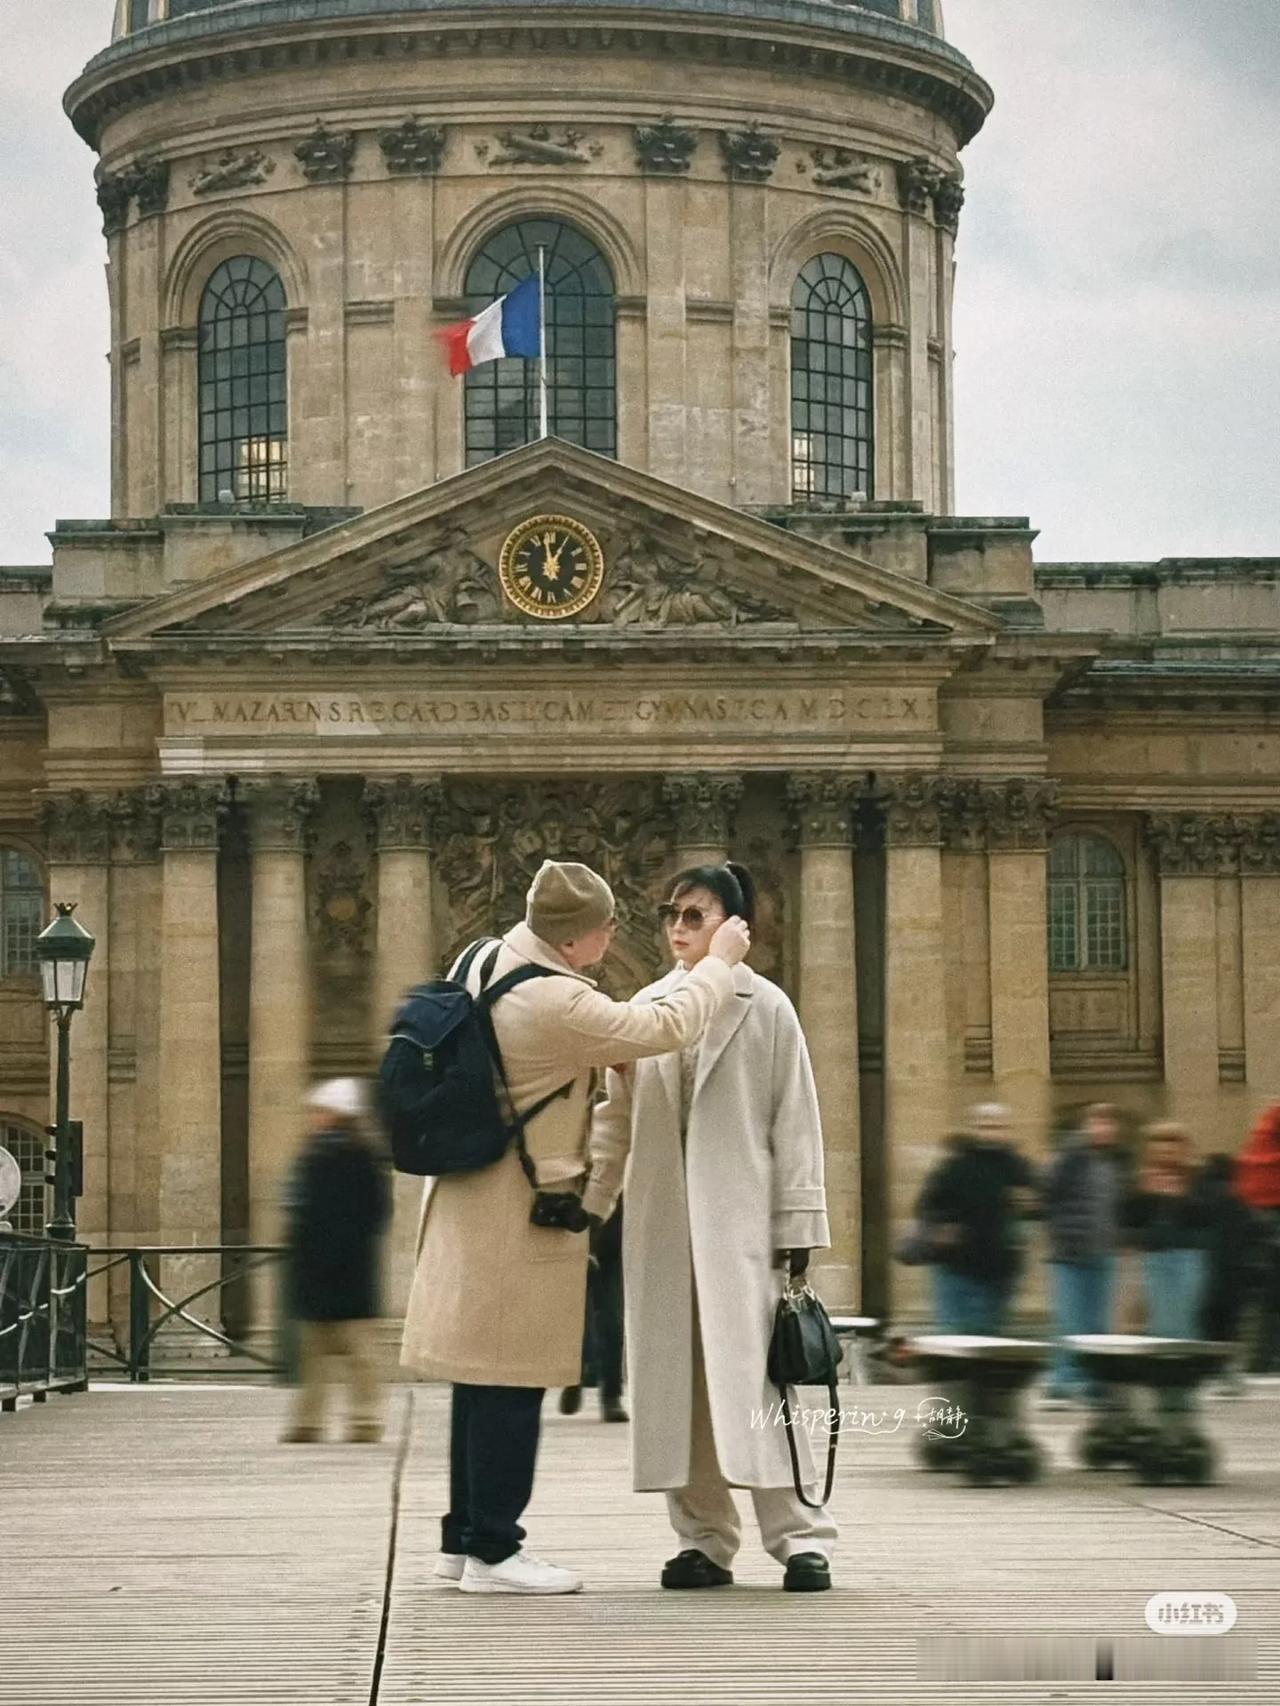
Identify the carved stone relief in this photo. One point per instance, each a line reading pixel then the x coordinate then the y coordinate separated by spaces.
pixel 494 838
pixel 77 827
pixel 839 169
pixel 918 181
pixel 192 815
pixel 822 805
pixel 749 155
pixel 136 817
pixel 451 585
pixel 1194 844
pixel 703 807
pixel 948 199
pixel 650 584
pixel 413 147
pixel 234 169
pixel 342 904
pixel 665 147
pixel 149 181
pixel 915 809
pixel 403 813
pixel 539 146
pixel 280 811
pixel 326 155
pixel 114 192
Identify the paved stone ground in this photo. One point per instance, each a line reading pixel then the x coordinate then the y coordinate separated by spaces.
pixel 157 1545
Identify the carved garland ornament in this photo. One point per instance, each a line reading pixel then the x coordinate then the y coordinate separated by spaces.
pixel 538 146
pixel 232 170
pixel 839 169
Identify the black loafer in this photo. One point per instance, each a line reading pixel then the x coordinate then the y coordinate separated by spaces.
pixel 570 1400
pixel 693 1569
pixel 807 1572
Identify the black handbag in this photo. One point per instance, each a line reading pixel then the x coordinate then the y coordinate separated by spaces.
pixel 804 1351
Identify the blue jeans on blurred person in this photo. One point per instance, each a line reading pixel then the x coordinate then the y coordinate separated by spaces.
pixel 962 1304
pixel 1083 1294
pixel 1174 1282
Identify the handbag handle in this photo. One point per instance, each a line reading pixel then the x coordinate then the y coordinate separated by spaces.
pixel 788 1423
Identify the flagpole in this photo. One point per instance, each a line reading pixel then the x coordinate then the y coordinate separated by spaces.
pixel 542 343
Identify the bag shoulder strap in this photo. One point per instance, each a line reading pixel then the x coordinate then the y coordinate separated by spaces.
pixel 489 994
pixel 833 1395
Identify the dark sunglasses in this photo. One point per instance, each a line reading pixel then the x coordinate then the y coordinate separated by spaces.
pixel 692 917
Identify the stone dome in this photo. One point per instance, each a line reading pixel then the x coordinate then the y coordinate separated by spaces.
pixel 132 16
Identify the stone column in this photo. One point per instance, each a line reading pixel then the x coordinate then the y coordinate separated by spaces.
pixel 665 203
pixel 1260 933
pixel 188 1130
pixel 402 813
pixel 279 812
pixel 78 831
pixel 1018 814
pixel 133 1212
pixel 916 1057
pixel 917 180
pixel 703 806
pixel 822 807
pixel 1191 850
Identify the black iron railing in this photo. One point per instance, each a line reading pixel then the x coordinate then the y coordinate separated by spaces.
pixel 187 1301
pixel 42 1318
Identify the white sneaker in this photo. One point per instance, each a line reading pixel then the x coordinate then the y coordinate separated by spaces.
pixel 450 1565
pixel 521 1573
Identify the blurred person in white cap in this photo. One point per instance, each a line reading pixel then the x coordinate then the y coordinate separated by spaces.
pixel 337 1202
pixel 499 1291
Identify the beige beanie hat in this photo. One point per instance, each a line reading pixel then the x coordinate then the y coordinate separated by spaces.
pixel 565 901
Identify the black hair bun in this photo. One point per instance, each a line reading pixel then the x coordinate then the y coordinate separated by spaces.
pixel 747 883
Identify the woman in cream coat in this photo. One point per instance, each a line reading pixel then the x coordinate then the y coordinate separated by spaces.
pixel 725 1177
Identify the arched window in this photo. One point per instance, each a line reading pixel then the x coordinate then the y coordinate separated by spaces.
pixel 1086 905
pixel 831 395
pixel 26 1145
pixel 502 396
pixel 244 429
pixel 21 912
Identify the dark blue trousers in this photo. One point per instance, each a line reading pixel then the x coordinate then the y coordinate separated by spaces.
pixel 493 1452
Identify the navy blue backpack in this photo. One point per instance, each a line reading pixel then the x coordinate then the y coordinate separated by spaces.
pixel 442 1093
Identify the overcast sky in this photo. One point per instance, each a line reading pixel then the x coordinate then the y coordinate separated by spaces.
pixel 1118 305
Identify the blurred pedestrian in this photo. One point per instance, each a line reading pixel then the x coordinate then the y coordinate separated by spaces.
pixel 724 1194
pixel 602 1339
pixel 337 1204
pixel 1084 1193
pixel 1165 1218
pixel 1230 1245
pixel 973 1206
pixel 1258 1185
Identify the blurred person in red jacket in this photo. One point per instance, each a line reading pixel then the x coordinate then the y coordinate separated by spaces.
pixel 1257 1183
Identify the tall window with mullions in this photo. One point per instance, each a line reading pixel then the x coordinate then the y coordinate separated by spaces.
pixel 244 430
pixel 501 397
pixel 831 389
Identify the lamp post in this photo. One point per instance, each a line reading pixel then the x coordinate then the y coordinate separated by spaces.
pixel 63 950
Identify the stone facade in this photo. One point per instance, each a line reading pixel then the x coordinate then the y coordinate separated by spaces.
pixel 1017 825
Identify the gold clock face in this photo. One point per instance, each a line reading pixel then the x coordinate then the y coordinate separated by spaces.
pixel 551 567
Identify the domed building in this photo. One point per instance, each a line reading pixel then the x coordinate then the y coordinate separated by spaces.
pixel 308 709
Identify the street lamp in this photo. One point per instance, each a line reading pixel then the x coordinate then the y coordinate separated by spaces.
pixel 63 950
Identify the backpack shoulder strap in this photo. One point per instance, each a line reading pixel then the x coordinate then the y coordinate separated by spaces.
pixel 510 980
pixel 469 957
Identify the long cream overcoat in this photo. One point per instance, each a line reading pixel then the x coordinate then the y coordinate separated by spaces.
pixel 496 1301
pixel 748 1184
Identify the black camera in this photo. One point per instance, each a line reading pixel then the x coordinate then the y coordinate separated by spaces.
pixel 562 1210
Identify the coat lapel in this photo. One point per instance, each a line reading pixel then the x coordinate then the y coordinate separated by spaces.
pixel 721 1029
pixel 668 1065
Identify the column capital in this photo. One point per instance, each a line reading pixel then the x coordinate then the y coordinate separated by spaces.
pixel 822 803
pixel 703 805
pixel 192 813
pixel 1194 844
pixel 136 821
pixel 916 809
pixel 1018 813
pixel 280 810
pixel 403 812
pixel 1259 845
pixel 77 827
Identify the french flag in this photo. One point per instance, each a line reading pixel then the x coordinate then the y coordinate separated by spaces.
pixel 510 326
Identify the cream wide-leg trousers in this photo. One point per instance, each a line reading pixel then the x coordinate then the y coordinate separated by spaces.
pixel 703 1512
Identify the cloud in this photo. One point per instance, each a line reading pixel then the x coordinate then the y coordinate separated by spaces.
pixel 1118 277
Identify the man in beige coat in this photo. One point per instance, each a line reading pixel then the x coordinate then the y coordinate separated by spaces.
pixel 497 1303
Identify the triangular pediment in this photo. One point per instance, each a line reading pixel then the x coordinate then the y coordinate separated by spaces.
pixel 426 566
